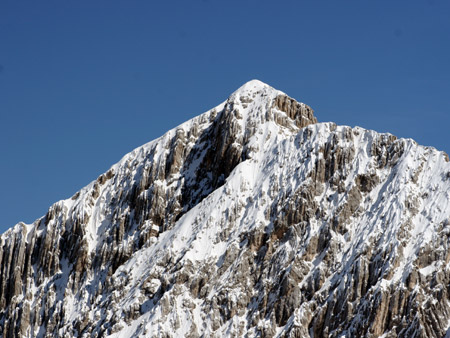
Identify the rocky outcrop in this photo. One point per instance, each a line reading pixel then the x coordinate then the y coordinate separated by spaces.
pixel 249 220
pixel 298 112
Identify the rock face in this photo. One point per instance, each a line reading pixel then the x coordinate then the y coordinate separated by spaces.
pixel 251 219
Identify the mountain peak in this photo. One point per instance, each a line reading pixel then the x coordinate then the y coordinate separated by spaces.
pixel 257 100
pixel 254 86
pixel 248 220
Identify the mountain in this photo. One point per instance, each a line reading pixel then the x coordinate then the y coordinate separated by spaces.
pixel 250 220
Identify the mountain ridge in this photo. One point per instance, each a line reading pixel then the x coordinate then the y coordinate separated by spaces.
pixel 239 221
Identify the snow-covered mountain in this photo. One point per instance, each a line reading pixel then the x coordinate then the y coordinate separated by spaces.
pixel 250 220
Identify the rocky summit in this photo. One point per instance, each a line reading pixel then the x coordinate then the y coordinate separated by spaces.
pixel 250 220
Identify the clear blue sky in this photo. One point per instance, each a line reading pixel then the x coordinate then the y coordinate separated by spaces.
pixel 84 82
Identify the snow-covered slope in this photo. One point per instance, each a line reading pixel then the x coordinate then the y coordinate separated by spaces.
pixel 251 219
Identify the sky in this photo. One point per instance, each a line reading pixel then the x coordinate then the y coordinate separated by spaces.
pixel 82 83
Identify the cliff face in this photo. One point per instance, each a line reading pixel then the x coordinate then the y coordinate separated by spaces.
pixel 250 219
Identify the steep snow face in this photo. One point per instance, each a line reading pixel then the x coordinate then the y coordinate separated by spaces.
pixel 251 219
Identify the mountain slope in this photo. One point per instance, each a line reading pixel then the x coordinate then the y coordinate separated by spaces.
pixel 250 219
